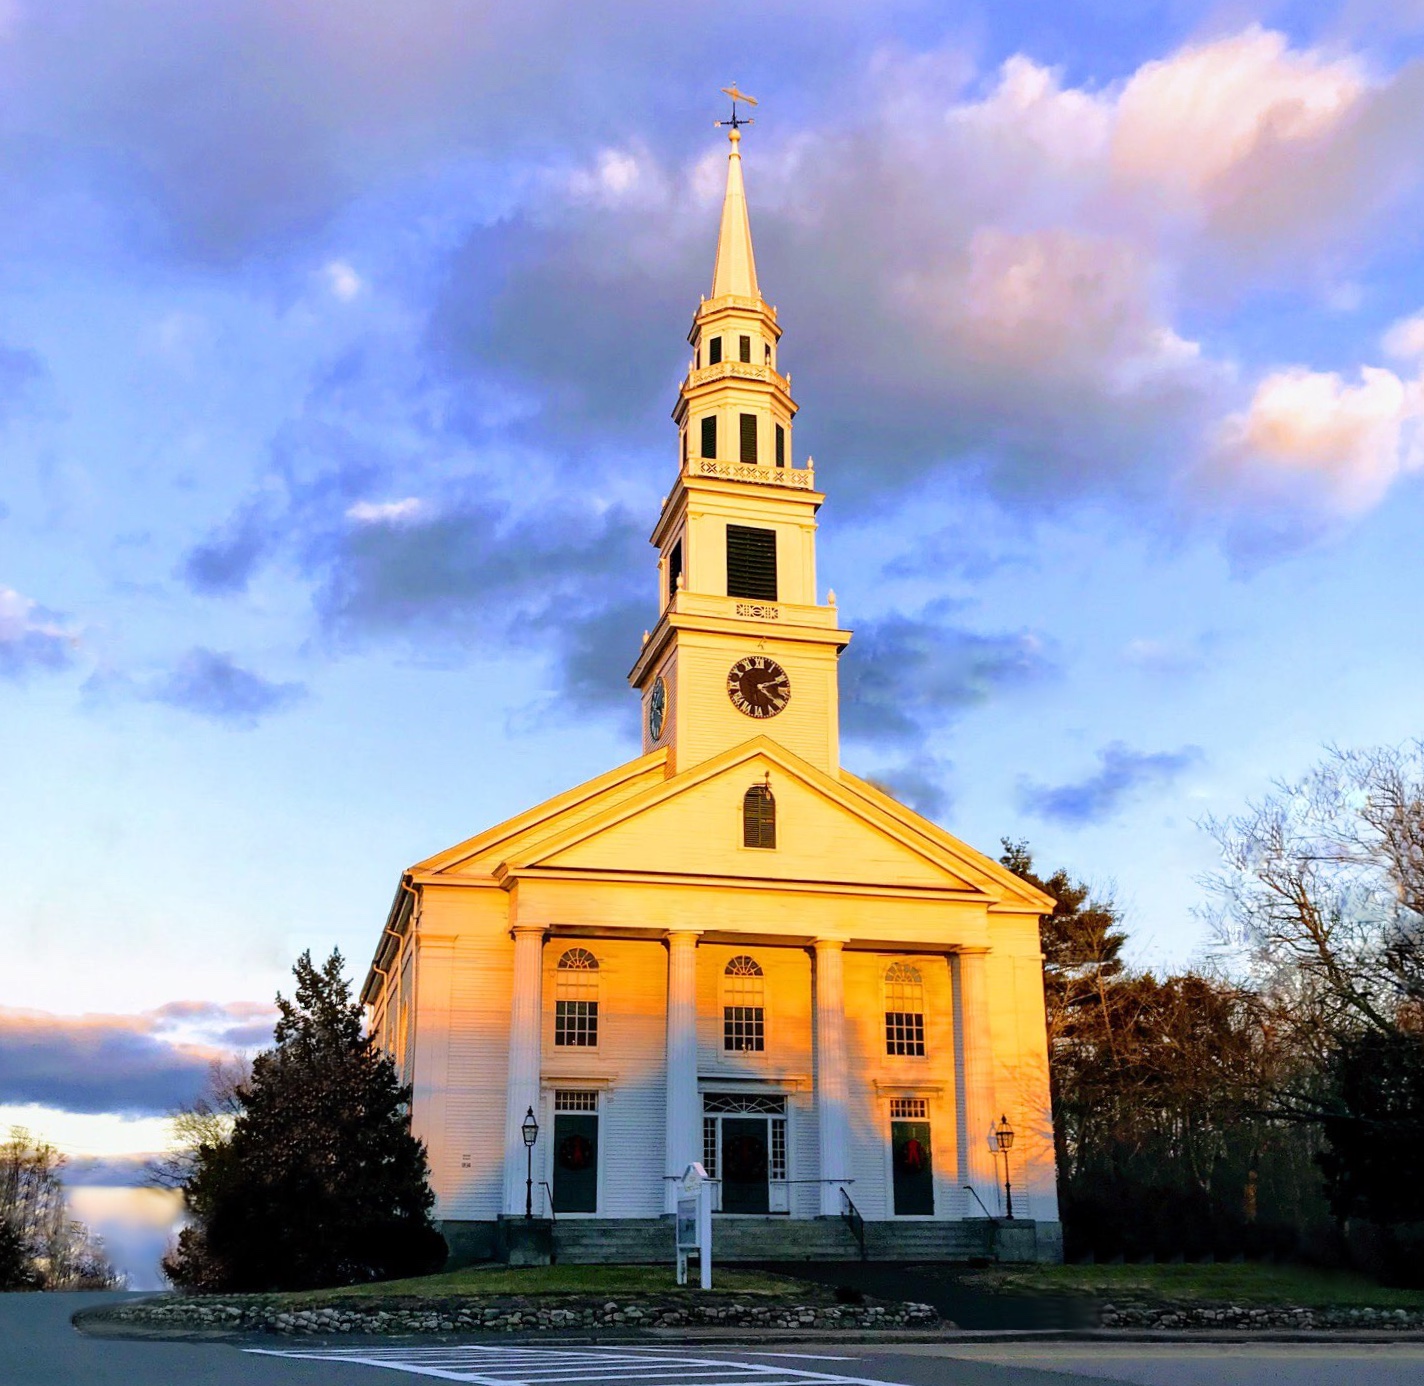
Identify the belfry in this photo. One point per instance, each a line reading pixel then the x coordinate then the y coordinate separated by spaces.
pixel 730 950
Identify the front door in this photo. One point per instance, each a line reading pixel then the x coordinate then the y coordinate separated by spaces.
pixel 914 1173
pixel 744 1165
pixel 576 1162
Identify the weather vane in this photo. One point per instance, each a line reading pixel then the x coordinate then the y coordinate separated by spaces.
pixel 736 122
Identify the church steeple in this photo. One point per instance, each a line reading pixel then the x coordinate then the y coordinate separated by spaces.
pixel 742 646
pixel 734 271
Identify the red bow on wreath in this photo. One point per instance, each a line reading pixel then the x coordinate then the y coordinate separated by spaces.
pixel 575 1152
pixel 913 1156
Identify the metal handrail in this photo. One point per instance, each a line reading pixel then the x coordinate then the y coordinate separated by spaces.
pixel 852 1218
pixel 969 1189
pixel 544 1184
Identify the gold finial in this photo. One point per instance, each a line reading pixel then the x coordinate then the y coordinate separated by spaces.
pixel 736 122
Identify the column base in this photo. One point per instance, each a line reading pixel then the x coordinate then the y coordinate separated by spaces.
pixel 525 1241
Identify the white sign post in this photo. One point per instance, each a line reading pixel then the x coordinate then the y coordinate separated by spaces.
pixel 694 1224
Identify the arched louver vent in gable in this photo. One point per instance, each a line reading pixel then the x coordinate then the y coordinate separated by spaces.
pixel 758 817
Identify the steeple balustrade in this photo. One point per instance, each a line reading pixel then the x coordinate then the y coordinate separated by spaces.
pixel 796 478
pixel 702 375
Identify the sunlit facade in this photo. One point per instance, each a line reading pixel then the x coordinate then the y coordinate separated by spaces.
pixel 729 950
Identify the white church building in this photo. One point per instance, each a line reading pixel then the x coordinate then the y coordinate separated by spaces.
pixel 730 950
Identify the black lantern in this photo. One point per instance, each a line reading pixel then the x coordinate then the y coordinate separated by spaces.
pixel 530 1130
pixel 1004 1139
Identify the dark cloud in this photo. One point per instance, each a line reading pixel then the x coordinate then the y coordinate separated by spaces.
pixel 134 1065
pixel 903 675
pixel 19 370
pixel 112 1171
pixel 212 685
pixel 96 1064
pixel 918 783
pixel 227 559
pixel 32 638
pixel 1123 775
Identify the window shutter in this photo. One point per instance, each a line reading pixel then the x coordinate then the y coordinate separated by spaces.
pixel 780 446
pixel 714 351
pixel 709 436
pixel 744 349
pixel 751 563
pixel 758 817
pixel 749 439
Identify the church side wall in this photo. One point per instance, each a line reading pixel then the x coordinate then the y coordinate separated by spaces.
pixel 462 1117
pixel 1015 971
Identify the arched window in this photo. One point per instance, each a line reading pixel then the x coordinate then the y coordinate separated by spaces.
pixel 904 1010
pixel 744 1005
pixel 576 1000
pixel 758 817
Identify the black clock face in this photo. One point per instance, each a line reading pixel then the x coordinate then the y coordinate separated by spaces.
pixel 657 708
pixel 758 686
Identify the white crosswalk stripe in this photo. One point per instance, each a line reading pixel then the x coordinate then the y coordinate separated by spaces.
pixel 553 1366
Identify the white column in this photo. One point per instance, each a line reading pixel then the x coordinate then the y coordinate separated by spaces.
pixel 831 1114
pixel 526 1014
pixel 684 1113
pixel 976 1075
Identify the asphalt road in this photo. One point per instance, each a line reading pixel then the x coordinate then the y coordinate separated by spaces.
pixel 38 1347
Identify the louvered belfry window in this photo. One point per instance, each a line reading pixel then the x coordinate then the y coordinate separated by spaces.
pixel 780 446
pixel 709 436
pixel 674 569
pixel 714 351
pixel 751 563
pixel 749 439
pixel 758 817
pixel 744 349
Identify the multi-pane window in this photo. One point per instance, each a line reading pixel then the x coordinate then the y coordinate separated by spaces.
pixel 751 563
pixel 748 439
pixel 744 349
pixel 744 1006
pixel 758 817
pixel 904 1010
pixel 778 1150
pixel 566 1100
pixel 709 436
pixel 780 446
pixel 576 1000
pixel 714 351
pixel 709 1146
pixel 908 1109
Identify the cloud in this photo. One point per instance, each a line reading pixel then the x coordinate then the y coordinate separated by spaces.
pixel 342 280
pixel 1124 774
pixel 210 684
pixel 387 512
pixel 31 637
pixel 131 1065
pixel 1312 434
pixel 919 782
pixel 19 370
pixel 903 675
pixel 1405 339
pixel 227 559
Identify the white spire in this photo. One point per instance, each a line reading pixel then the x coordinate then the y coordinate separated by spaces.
pixel 735 270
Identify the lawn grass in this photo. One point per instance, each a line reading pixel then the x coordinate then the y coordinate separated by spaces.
pixel 483 1281
pixel 1224 1282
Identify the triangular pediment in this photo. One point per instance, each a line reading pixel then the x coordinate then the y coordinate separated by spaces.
pixel 832 831
pixel 482 854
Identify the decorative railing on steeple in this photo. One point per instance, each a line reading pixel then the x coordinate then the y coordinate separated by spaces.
pixel 741 370
pixel 797 478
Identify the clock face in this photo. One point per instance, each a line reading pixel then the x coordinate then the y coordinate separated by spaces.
pixel 657 709
pixel 758 686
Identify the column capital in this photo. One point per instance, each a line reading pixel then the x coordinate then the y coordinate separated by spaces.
pixel 828 945
pixel 525 930
pixel 683 936
pixel 977 950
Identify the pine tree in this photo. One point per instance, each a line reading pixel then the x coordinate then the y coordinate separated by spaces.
pixel 320 1181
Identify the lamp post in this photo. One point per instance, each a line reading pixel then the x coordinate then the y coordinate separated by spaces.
pixel 1004 1139
pixel 530 1128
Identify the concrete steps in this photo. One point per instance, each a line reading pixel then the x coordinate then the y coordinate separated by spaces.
pixel 589 1241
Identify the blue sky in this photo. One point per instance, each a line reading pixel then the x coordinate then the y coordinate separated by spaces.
pixel 336 351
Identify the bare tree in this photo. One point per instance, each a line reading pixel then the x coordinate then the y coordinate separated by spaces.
pixel 204 1122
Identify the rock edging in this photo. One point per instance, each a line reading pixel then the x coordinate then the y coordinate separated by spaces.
pixel 514 1315
pixel 1178 1316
